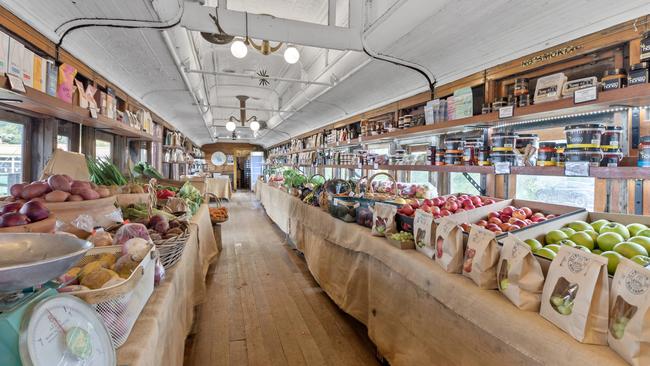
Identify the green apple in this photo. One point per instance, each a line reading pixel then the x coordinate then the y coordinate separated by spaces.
pixel 568 231
pixel 579 226
pixel 591 233
pixel 596 225
pixel 629 249
pixel 504 284
pixel 643 240
pixel 615 227
pixel 583 248
pixel 546 253
pixel 535 244
pixel 553 247
pixel 641 259
pixel 583 238
pixel 567 242
pixel 645 232
pixel 613 259
pixel 597 251
pixel 555 236
pixel 635 229
pixel 606 241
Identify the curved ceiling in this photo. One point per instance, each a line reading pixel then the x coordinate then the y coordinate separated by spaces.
pixel 427 32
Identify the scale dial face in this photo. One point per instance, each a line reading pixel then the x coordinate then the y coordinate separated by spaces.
pixel 63 330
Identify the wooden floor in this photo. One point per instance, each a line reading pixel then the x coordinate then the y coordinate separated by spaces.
pixel 264 307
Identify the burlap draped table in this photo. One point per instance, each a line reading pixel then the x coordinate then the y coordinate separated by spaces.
pixel 416 313
pixel 158 337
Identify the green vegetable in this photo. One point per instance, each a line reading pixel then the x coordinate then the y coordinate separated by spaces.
pixel 143 168
pixel 191 195
pixel 103 172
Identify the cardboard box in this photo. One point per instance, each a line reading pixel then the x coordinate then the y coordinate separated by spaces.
pixel 4 53
pixel 51 75
pixel 16 51
pixel 28 68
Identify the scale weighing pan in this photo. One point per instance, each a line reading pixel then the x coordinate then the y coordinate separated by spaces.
pixel 29 259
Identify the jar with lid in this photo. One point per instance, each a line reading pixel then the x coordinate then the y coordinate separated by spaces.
pixel 408 120
pixel 614 79
pixel 484 156
pixel 611 138
pixel 591 155
pixel 525 139
pixel 502 157
pixel 470 150
pixel 638 74
pixel 487 108
pixel 523 100
pixel 431 157
pixel 611 157
pixel 521 86
pixel 440 157
pixel 644 152
pixel 547 154
pixel 559 149
pixel 583 136
pixel 454 145
pixel 645 47
pixel 503 141
pixel 453 158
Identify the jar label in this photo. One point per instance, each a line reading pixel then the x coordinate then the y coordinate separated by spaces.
pixel 611 84
pixel 645 49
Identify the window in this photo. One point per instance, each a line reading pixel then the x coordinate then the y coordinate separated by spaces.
pixel 573 191
pixel 459 184
pixel 63 143
pixel 328 173
pixel 11 155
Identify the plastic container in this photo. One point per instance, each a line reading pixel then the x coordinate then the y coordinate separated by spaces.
pixel 502 157
pixel 484 156
pixel 593 155
pixel 611 157
pixel 440 157
pixel 584 136
pixel 644 152
pixel 559 149
pixel 498 103
pixel 408 121
pixel 525 139
pixel 431 157
pixel 611 138
pixel 547 154
pixel 503 141
pixel 487 108
pixel 521 86
pixel 638 74
pixel 614 79
pixel 453 158
pixel 523 100
pixel 470 150
pixel 454 145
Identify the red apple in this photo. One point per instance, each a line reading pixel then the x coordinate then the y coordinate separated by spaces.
pixel 463 197
pixel 425 208
pixel 466 227
pixel 469 207
pixel 495 220
pixel 508 210
pixel 435 210
pixel 493 227
pixel 492 214
pixel 528 211
pixel 520 214
pixel 460 210
pixel 415 204
pixel 513 228
pixel 528 221
pixel 520 223
pixel 407 210
pixel 427 202
pixel 548 217
pixel 505 226
pixel 512 219
pixel 539 219
pixel 476 200
pixel 488 201
pixel 444 212
pixel 504 217
pixel 482 223
pixel 451 206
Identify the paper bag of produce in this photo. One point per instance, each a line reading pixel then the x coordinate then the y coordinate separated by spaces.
pixel 519 274
pixel 629 317
pixel 449 245
pixel 576 295
pixel 423 232
pixel 481 258
pixel 383 219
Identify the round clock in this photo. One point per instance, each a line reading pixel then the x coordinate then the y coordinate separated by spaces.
pixel 218 158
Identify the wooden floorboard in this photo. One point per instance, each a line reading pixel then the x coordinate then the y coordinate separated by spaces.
pixel 265 308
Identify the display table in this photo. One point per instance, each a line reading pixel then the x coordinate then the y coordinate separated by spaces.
pixel 158 337
pixel 416 313
pixel 219 186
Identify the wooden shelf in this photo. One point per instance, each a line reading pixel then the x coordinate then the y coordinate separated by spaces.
pixel 292 152
pixel 36 102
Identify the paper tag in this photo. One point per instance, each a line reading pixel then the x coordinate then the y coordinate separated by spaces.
pixel 505 112
pixel 502 168
pixel 360 166
pixel 359 139
pixel 576 169
pixel 375 166
pixel 585 95
pixel 16 83
pixel 93 112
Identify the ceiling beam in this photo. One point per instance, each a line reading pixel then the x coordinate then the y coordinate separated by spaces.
pixel 197 18
pixel 257 77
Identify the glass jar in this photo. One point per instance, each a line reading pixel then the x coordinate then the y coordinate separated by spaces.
pixel 592 155
pixel 503 141
pixel 611 138
pixel 611 157
pixel 559 149
pixel 523 100
pixel 484 156
pixel 470 150
pixel 453 158
pixel 408 120
pixel 431 157
pixel 614 79
pixel 638 74
pixel 521 86
pixel 547 154
pixel 584 135
pixel 440 157
pixel 499 103
pixel 644 152
pixel 454 145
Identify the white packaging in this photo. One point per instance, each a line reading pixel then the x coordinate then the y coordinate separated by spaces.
pixel 4 53
pixel 549 87
pixel 16 50
pixel 28 67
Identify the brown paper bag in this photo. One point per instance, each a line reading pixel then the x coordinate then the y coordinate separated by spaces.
pixel 576 295
pixel 383 219
pixel 423 232
pixel 629 317
pixel 481 258
pixel 449 245
pixel 519 274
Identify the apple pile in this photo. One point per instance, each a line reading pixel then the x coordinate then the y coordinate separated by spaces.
pixel 444 206
pixel 612 240
pixel 510 218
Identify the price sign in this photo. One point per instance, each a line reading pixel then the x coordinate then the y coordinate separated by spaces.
pixel 585 95
pixel 576 169
pixel 502 168
pixel 375 166
pixel 16 83
pixel 505 112
pixel 93 112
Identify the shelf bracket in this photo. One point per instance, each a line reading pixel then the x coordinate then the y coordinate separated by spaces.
pixel 638 197
pixel 474 183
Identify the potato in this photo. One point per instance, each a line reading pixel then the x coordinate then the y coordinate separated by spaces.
pixel 57 196
pixel 125 265
pixel 34 190
pixel 75 197
pixel 89 194
pixel 78 186
pixel 98 278
pixel 59 183
pixel 16 190
pixel 89 268
pixel 103 192
pixel 73 288
pixel 70 277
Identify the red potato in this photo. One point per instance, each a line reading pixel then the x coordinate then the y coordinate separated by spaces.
pixel 11 207
pixel 59 183
pixel 35 210
pixel 74 198
pixel 57 196
pixel 17 190
pixel 89 194
pixel 13 219
pixel 34 190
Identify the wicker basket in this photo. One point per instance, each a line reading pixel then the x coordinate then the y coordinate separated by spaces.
pixel 120 305
pixel 383 196
pixel 171 250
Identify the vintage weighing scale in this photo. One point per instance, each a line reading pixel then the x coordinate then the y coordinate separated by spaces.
pixel 38 326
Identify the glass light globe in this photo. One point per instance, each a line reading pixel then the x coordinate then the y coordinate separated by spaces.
pixel 239 49
pixel 231 126
pixel 255 126
pixel 291 55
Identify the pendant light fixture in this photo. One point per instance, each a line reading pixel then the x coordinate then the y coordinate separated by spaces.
pixel 255 126
pixel 239 49
pixel 231 126
pixel 291 55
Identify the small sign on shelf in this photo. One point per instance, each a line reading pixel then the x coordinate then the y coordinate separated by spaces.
pixel 506 112
pixel 502 168
pixel 375 166
pixel 585 95
pixel 16 83
pixel 576 168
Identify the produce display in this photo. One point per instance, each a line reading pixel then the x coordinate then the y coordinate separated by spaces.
pixel 609 239
pixel 444 206
pixel 103 172
pixel 510 219
pixel 405 190
pixel 18 213
pixel 218 214
pixel 191 195
pixel 144 169
pixel 58 188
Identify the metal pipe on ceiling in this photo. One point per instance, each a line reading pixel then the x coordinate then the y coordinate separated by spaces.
pixel 249 108
pixel 256 77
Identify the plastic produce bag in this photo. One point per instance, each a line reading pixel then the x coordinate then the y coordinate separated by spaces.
pixel 129 231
